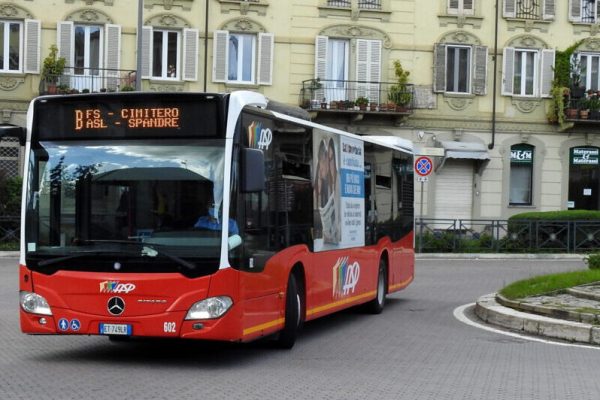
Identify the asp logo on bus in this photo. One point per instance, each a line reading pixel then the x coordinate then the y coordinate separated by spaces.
pixel 345 277
pixel 116 287
pixel 259 137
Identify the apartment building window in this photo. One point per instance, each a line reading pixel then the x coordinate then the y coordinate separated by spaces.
pixel 11 37
pixel 461 7
pixel 243 58
pixel 521 174
pixel 362 4
pixel 589 68
pixel 165 54
pixel 584 11
pixel 460 69
pixel 169 53
pixel 527 72
pixel 347 75
pixel 529 9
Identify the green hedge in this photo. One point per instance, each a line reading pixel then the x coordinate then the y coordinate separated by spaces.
pixel 565 215
pixel 10 196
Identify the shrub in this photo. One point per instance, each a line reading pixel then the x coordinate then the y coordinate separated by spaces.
pixel 10 195
pixel 593 261
pixel 564 215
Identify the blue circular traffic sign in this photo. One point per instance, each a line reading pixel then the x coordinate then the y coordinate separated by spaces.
pixel 423 166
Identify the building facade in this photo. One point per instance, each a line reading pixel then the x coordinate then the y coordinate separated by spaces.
pixel 478 96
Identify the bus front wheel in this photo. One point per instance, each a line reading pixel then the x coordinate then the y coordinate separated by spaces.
pixel 293 316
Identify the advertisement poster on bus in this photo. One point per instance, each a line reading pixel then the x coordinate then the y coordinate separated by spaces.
pixel 338 183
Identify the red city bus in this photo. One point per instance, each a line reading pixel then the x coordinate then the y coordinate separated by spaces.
pixel 204 216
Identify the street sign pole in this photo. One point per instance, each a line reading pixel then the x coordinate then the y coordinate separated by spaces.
pixel 423 168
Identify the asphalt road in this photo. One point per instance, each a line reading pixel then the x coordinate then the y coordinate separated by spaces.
pixel 416 349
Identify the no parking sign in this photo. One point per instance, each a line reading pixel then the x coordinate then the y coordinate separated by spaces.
pixel 423 166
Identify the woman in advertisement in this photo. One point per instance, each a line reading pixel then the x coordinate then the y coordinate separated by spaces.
pixel 327 229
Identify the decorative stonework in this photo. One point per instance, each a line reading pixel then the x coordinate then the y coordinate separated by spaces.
pixel 9 83
pixel 460 21
pixel 590 44
pixel 167 87
pixel 528 25
pixel 167 21
pixel 91 2
pixel 14 12
pixel 185 5
pixel 525 106
pixel 89 15
pixel 244 7
pixel 243 25
pixel 527 41
pixel 458 103
pixel 586 29
pixel 355 13
pixel 460 37
pixel 358 32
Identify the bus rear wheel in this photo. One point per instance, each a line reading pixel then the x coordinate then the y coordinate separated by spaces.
pixel 293 315
pixel 376 305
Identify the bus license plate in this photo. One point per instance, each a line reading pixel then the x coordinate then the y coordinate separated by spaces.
pixel 115 329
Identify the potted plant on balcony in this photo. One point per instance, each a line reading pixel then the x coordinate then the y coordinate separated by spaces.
pixel 594 106
pixel 399 93
pixel 584 108
pixel 52 69
pixel 362 103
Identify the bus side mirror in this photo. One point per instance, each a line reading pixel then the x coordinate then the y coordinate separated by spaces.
pixel 252 171
pixel 13 131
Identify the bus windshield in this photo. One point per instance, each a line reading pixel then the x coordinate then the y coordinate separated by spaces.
pixel 141 201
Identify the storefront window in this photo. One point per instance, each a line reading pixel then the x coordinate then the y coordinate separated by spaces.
pixel 521 174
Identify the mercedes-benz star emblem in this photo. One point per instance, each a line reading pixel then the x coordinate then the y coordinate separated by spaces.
pixel 116 305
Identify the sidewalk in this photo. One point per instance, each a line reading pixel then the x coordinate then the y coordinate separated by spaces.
pixel 572 315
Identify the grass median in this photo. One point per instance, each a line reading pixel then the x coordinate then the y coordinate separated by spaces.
pixel 549 283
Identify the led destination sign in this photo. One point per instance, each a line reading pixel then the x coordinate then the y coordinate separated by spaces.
pixel 139 115
pixel 132 117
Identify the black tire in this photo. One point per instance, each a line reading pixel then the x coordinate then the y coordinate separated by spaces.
pixel 376 305
pixel 293 315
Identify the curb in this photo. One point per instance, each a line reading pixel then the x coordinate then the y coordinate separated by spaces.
pixel 499 256
pixel 491 312
pixel 9 254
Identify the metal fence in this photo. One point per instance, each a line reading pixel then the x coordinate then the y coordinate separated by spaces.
pixel 506 236
pixel 10 230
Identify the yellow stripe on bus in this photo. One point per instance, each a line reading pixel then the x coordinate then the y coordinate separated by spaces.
pixel 401 284
pixel 260 327
pixel 340 303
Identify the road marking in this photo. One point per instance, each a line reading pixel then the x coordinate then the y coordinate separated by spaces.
pixel 459 314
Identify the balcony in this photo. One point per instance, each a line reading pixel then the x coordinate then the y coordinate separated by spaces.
pixel 357 99
pixel 88 80
pixel 584 110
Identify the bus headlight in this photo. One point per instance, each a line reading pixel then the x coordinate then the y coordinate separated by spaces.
pixel 210 308
pixel 34 303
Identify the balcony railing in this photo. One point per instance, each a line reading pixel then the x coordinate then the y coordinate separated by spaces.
pixel 528 9
pixel 362 4
pixel 84 80
pixel 585 109
pixel 328 94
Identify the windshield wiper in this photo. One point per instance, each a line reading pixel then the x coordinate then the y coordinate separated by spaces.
pixel 147 250
pixel 151 251
pixel 78 254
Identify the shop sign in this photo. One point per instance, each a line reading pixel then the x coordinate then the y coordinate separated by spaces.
pixel 521 155
pixel 585 155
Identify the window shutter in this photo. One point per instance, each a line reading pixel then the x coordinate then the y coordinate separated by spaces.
pixel 190 54
pixel 575 10
pixel 453 6
pixel 480 70
pixel 548 9
pixel 362 68
pixel 321 57
pixel 113 49
pixel 33 29
pixel 509 9
pixel 146 52
pixel 266 43
pixel 220 56
pixel 508 60
pixel 468 7
pixel 65 32
pixel 547 72
pixel 597 10
pixel 439 68
pixel 374 70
